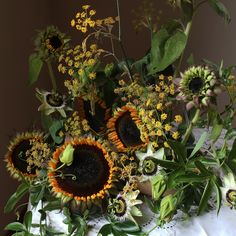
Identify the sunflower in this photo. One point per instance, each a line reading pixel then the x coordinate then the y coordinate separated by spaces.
pixel 51 43
pixel 125 129
pixel 51 102
pixel 147 164
pixel 198 86
pixel 17 155
pixel 96 112
pixel 87 178
pixel 124 207
pixel 229 190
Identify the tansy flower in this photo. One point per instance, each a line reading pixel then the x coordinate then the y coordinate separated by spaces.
pixel 159 106
pixel 198 86
pixel 88 177
pixel 124 131
pixel 178 119
pixel 163 116
pixel 17 155
pixel 147 165
pixel 123 207
pixel 229 190
pixel 175 135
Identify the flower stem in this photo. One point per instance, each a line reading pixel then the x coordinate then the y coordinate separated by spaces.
pixel 51 74
pixel 191 125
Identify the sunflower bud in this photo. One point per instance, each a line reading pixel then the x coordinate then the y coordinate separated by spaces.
pixel 67 155
pixel 167 208
pixel 158 186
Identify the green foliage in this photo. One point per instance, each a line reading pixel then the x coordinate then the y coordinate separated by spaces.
pixel 35 66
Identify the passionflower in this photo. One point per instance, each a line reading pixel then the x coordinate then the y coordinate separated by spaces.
pixel 147 164
pixel 198 86
pixel 51 102
pixel 124 129
pixel 95 112
pixel 123 207
pixel 51 43
pixel 18 152
pixel 229 190
pixel 88 178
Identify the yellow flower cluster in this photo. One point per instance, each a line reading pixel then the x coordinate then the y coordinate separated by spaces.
pixel 37 155
pixel 74 127
pixel 84 20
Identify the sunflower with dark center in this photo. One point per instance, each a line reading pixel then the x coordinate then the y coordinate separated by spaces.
pixel 95 112
pixel 88 178
pixel 51 42
pixel 198 86
pixel 51 102
pixel 124 129
pixel 16 157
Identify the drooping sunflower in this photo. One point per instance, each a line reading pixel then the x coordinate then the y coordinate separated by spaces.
pixel 89 176
pixel 51 102
pixel 198 86
pixel 51 43
pixel 19 151
pixel 95 112
pixel 124 129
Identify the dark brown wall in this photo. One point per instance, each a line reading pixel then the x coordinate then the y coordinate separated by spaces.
pixel 210 38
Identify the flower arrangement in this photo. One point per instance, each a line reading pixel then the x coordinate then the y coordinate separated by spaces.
pixel 119 137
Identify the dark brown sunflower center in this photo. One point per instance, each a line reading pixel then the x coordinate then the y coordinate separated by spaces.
pixel 231 196
pixel 54 43
pixel 90 169
pixel 195 85
pixel 128 131
pixel 19 158
pixel 149 166
pixel 54 100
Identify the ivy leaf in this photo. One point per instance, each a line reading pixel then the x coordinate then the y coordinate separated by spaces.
pixel 205 197
pixel 35 66
pixel 199 144
pixel 16 226
pixel 220 9
pixel 15 198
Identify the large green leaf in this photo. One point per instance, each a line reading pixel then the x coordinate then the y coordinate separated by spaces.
pixel 191 178
pixel 28 220
pixel 179 149
pixel 220 9
pixel 218 196
pixel 54 129
pixel 199 144
pixel 35 66
pixel 205 197
pixel 15 198
pixel 36 194
pixel 216 129
pixel 54 205
pixel 16 226
pixel 127 226
pixel 166 48
pixel 105 230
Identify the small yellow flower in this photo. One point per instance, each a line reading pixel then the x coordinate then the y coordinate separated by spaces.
pixel 93 47
pixel 157 88
pixel 78 15
pixel 85 7
pixel 172 91
pixel 168 127
pixel 159 132
pixel 158 124
pixel 121 82
pixel 161 77
pixel 148 102
pixel 178 119
pixel 161 95
pixel 175 135
pixel 70 72
pixel 170 78
pixel 91 62
pixel 83 29
pixel 92 12
pixel 92 75
pixel 99 22
pixel 72 23
pixel 83 14
pixel 166 145
pixel 163 116
pixel 159 106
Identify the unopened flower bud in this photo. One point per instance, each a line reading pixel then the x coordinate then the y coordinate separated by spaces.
pixel 158 186
pixel 67 155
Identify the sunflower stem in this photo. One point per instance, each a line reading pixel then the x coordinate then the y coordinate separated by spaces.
pixel 51 74
pixel 191 125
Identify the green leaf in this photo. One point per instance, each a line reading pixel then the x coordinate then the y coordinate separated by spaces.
pixel 179 149
pixel 54 129
pixel 15 198
pixel 191 60
pixel 205 197
pixel 232 153
pixel 19 234
pixel 216 130
pixel 187 8
pixel 105 230
pixel 16 226
pixel 46 121
pixel 218 196
pixel 127 226
pixel 202 168
pixel 28 220
pixel 35 66
pixel 167 164
pixel 81 231
pixel 220 9
pixel 191 178
pixel 116 232
pixel 54 205
pixel 166 49
pixel 199 144
pixel 36 194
